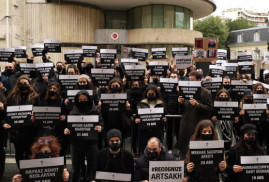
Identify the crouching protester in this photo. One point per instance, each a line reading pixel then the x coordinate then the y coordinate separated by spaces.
pixel 154 151
pixel 45 147
pixel 204 131
pixel 114 158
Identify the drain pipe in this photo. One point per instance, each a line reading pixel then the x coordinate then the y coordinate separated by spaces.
pixel 7 17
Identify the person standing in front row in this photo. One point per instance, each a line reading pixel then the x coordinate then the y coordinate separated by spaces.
pixel 193 111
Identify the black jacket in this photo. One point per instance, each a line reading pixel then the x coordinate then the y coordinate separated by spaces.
pixel 142 164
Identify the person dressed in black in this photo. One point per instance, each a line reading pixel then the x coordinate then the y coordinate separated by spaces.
pixel 154 151
pixel 23 136
pixel 248 145
pixel 84 147
pixel 115 159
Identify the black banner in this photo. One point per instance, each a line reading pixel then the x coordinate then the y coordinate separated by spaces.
pixel 82 126
pixel 256 168
pixel 255 113
pixel 150 118
pixel 19 115
pixel 53 46
pixel 226 110
pixel 222 54
pixel 135 72
pixel 73 56
pixel 207 154
pixel 179 51
pixel 140 54
pixel 37 50
pixel 216 71
pixel 42 170
pixel 102 77
pixel 244 56
pixel 246 68
pixel 159 68
pixel 213 85
pixel 47 116
pixel 114 102
pixel 169 85
pixel 68 82
pixel 190 89
pixel 158 53
pixel 89 51
pixel 20 51
pixel 107 57
pixel 7 54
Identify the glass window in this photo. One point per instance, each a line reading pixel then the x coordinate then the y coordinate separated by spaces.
pixel 256 36
pixel 179 17
pixel 130 19
pixel 187 17
pixel 157 16
pixel 169 16
pixel 146 17
pixel 116 19
pixel 239 38
pixel 137 17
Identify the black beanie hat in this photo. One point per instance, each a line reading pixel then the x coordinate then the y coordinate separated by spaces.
pixel 248 128
pixel 113 133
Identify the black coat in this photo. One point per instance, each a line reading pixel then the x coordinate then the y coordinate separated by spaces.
pixel 142 164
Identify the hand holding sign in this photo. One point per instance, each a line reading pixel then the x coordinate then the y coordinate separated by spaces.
pixel 190 167
pixel 237 169
pixel 194 102
pixel 222 165
pixel 17 178
pixel 6 126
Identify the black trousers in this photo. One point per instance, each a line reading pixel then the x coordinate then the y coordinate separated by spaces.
pixel 78 154
pixel 172 125
pixel 22 151
pixel 2 160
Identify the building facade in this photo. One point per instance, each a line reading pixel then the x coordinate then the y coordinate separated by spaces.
pixel 116 24
pixel 258 19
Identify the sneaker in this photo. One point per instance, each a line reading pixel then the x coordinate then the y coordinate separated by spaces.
pixel 170 152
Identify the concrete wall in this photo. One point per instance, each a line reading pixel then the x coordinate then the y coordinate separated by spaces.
pixel 103 36
pixel 162 36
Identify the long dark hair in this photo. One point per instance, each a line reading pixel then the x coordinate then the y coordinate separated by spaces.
pixel 113 81
pixel 222 91
pixel 154 88
pixel 58 94
pixel 256 148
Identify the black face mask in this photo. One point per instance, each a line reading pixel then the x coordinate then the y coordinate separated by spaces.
pixel 59 68
pixel 227 87
pixel 248 101
pixel 207 136
pixel 83 87
pixel 250 140
pixel 259 91
pixel 24 87
pixel 155 80
pixel 151 97
pixel 43 155
pixel 114 147
pixel 85 106
pixel 153 155
pixel 115 89
pixel 9 71
pixel 223 99
pixel 52 93
pixel 135 88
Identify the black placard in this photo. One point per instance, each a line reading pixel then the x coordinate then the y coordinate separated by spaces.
pixel 190 89
pixel 37 50
pixel 230 70
pixel 150 118
pixel 179 51
pixel 222 54
pixel 135 72
pixel 20 51
pixel 129 62
pixel 260 98
pixel 29 69
pixel 169 85
pixel 102 77
pixel 73 56
pixel 244 56
pixel 216 71
pixel 7 54
pixel 213 85
pixel 256 168
pixel 226 110
pixel 102 176
pixel 183 62
pixel 68 82
pixel 207 154
pixel 246 67
pixel 19 115
pixel 204 66
pixel 44 68
pixel 107 57
pixel 238 88
pixel 140 54
pixel 89 51
pixel 53 46
pixel 158 53
pixel 42 170
pixel 46 116
pixel 82 126
pixel 114 102
pixel 158 68
pixel 254 113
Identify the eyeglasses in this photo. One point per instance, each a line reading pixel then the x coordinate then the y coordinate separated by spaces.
pixel 44 141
